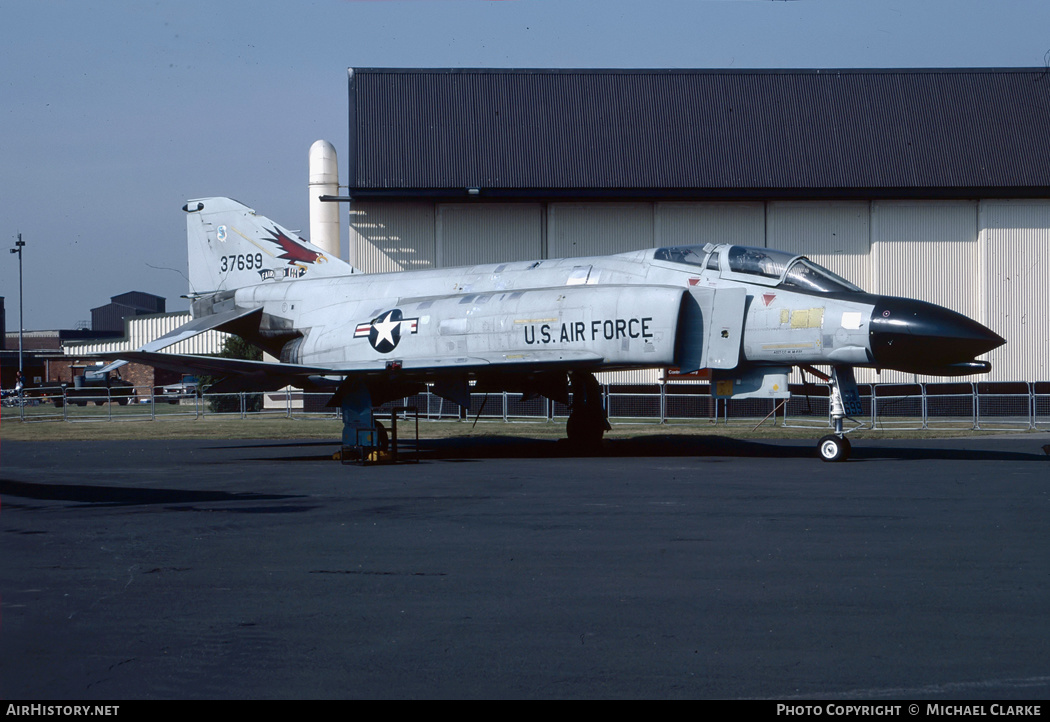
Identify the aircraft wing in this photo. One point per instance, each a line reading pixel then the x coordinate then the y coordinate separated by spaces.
pixel 218 366
pixel 215 365
pixel 242 374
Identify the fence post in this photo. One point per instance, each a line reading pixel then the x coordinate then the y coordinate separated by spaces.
pixel 976 406
pixel 663 400
pixel 874 405
pixel 1031 405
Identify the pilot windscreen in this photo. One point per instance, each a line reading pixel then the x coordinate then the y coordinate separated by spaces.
pixel 679 254
pixel 807 277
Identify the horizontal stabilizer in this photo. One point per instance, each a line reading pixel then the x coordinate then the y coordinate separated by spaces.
pixel 197 326
pixel 111 366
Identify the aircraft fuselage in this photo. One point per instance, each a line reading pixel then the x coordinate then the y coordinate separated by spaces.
pixel 614 312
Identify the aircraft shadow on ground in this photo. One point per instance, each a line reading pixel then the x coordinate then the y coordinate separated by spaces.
pixel 514 447
pixel 476 448
pixel 875 452
pixel 127 496
pixel 700 446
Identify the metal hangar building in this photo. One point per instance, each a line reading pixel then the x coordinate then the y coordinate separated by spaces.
pixel 932 184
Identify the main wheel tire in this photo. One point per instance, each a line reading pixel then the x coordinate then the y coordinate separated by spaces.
pixel 584 431
pixel 382 439
pixel 833 448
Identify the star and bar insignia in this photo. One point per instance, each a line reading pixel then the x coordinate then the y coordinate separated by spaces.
pixel 385 331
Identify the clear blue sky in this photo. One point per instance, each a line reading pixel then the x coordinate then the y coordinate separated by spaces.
pixel 113 113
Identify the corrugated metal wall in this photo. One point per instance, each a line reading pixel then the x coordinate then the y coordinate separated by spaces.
pixel 927 250
pixel 392 236
pixel 143 329
pixel 596 229
pixel 528 131
pixel 469 234
pixel 837 235
pixel 692 224
pixel 1017 253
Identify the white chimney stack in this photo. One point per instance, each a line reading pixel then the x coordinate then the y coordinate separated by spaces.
pixel 324 181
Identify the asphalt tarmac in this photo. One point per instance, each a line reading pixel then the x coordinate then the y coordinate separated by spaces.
pixel 667 567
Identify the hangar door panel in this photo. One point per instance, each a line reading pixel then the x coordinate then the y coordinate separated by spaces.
pixel 391 236
pixel 1018 249
pixel 927 250
pixel 836 235
pixel 598 229
pixel 469 234
pixel 694 224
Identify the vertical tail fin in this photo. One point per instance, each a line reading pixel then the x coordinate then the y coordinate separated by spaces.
pixel 230 246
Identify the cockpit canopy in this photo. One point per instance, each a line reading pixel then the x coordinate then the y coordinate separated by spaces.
pixel 765 266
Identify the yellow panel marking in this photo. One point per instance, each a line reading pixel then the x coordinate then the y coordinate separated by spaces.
pixel 807 318
pixel 816 317
pixel 771 346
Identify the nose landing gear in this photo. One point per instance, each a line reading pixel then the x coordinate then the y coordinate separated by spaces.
pixel 845 404
pixel 834 448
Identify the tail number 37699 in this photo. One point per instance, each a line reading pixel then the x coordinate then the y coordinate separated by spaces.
pixel 240 262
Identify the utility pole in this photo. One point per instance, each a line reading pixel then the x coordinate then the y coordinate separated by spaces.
pixel 19 244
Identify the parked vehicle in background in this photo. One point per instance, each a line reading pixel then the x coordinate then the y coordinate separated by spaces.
pixel 185 389
pixel 99 386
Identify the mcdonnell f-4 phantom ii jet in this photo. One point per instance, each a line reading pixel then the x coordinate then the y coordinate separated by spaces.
pixel 544 327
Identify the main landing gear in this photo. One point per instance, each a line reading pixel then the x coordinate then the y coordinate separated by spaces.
pixel 587 421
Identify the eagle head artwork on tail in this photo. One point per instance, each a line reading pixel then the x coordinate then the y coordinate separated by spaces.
pixel 294 252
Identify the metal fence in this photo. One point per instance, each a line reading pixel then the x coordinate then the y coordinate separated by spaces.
pixel 996 406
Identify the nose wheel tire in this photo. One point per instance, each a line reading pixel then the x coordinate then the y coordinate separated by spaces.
pixel 834 448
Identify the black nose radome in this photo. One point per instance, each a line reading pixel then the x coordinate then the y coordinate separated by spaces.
pixel 923 338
